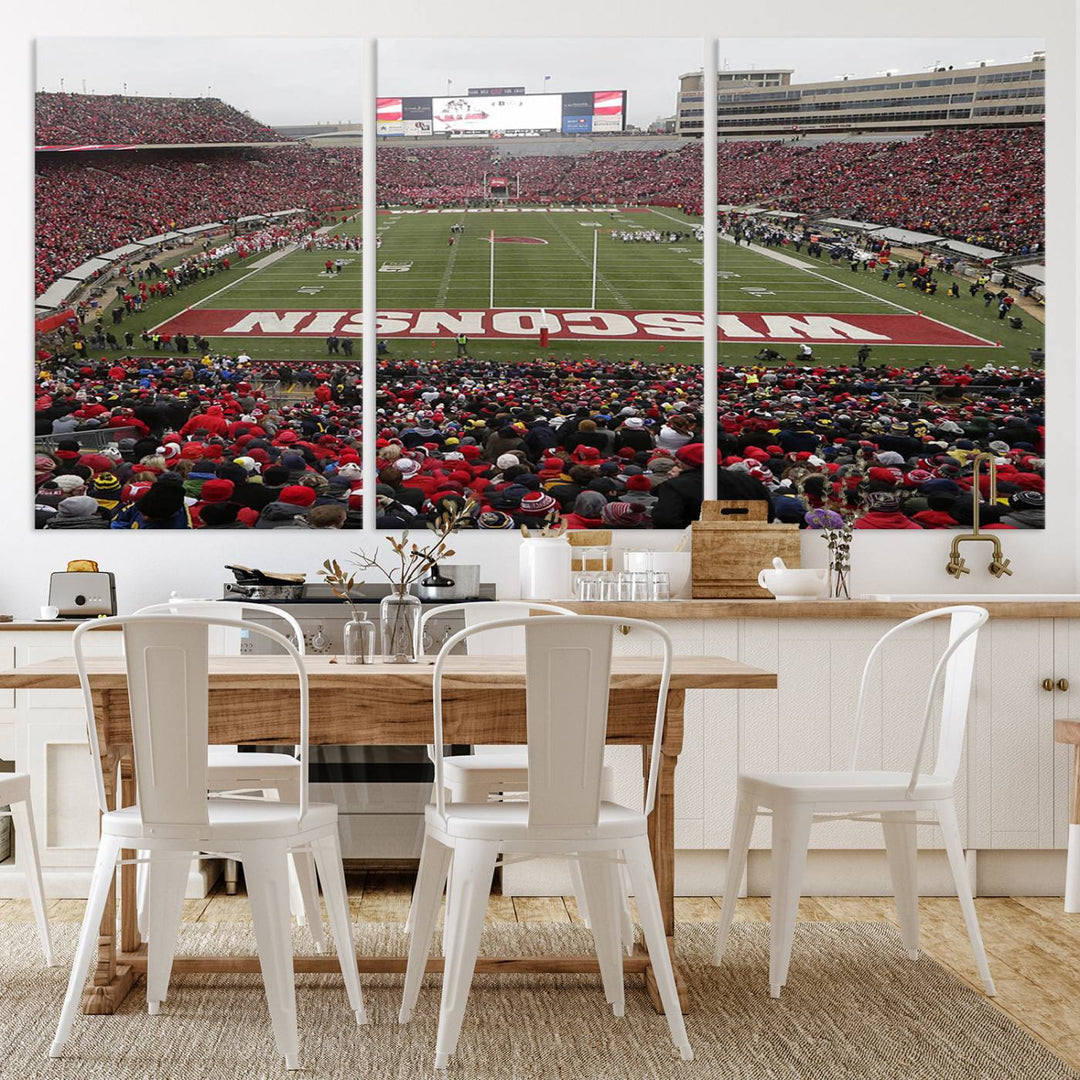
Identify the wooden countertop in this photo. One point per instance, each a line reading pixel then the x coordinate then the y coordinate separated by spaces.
pixel 817 609
pixel 753 609
pixel 40 624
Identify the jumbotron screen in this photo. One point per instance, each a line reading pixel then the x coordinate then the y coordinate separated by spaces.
pixel 581 112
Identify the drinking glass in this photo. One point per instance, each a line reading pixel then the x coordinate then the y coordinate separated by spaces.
pixel 659 585
pixel 607 587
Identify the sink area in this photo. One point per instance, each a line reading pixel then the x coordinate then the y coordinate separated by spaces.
pixel 976 598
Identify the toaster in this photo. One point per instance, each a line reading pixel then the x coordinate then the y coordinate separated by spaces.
pixel 82 594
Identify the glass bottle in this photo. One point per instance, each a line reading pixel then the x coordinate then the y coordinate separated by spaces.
pixel 359 640
pixel 399 613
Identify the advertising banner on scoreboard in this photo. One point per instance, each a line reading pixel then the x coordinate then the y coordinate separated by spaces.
pixel 388 116
pixel 403 116
pixel 530 112
pixel 487 113
pixel 608 110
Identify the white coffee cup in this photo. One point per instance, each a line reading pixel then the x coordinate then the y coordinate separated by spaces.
pixel 49 611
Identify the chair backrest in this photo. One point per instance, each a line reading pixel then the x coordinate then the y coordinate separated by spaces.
pixel 567 674
pixel 957 666
pixel 167 661
pixel 233 609
pixel 508 642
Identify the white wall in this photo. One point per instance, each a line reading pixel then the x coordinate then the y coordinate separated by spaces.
pixel 147 568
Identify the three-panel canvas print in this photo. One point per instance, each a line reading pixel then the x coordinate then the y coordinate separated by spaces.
pixel 543 234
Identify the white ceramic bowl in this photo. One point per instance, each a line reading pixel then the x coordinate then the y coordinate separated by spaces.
pixel 675 563
pixel 794 584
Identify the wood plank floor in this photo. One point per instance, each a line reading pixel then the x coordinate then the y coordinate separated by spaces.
pixel 1034 948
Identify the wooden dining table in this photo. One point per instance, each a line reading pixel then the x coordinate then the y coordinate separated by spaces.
pixel 254 699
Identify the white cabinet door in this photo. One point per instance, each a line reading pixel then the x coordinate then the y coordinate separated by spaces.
pixel 7 705
pixel 1066 707
pixel 759 711
pixel 720 739
pixel 56 754
pixel 1014 771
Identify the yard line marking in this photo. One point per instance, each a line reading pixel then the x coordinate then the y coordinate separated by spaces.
pixel 199 303
pixel 679 221
pixel 448 273
pixel 602 278
pixel 798 264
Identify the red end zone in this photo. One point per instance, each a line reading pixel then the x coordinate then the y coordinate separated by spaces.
pixel 579 325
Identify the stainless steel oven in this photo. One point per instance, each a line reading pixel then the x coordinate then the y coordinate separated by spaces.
pixel 380 791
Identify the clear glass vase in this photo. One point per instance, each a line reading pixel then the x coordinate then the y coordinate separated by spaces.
pixel 359 640
pixel 840 579
pixel 400 616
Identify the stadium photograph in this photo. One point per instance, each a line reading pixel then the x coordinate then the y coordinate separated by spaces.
pixel 540 321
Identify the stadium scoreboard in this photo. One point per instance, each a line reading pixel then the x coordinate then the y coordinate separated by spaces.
pixel 503 111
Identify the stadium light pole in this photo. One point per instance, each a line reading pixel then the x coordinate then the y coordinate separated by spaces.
pixel 369 233
pixel 709 300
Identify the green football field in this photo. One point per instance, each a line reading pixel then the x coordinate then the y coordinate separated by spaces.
pixel 544 260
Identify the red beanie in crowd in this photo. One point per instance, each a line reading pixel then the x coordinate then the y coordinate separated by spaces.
pixel 297 495
pixel 215 491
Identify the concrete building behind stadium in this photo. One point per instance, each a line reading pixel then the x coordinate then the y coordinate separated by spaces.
pixel 765 102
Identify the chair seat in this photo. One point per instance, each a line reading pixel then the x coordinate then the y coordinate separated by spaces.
pixel 511 766
pixel 510 820
pixel 229 819
pixel 842 786
pixel 228 769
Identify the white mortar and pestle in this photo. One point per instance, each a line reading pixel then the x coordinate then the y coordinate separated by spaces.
pixel 790 585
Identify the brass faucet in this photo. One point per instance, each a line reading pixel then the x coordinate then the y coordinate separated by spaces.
pixel 999 565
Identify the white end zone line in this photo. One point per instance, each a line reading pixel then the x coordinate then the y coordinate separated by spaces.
pixel 799 265
pixel 262 264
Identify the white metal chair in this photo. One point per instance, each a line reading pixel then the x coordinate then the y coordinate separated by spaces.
pixel 15 794
pixel 797 799
pixel 477 777
pixel 568 665
pixel 277 776
pixel 175 820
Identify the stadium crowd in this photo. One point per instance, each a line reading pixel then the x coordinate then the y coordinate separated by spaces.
pixel 201 442
pixel 112 119
pixel 984 187
pixel 86 207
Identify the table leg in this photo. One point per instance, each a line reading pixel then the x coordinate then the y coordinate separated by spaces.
pixel 662 839
pixel 111 982
pixel 1072 864
pixel 130 938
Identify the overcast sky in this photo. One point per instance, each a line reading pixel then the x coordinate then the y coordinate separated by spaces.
pixel 312 80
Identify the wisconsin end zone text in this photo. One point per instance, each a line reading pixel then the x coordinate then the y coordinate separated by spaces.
pixel 580 325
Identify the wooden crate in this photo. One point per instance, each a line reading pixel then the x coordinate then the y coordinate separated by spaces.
pixel 732 543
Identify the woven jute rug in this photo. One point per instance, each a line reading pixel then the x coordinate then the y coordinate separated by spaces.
pixel 854 1007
